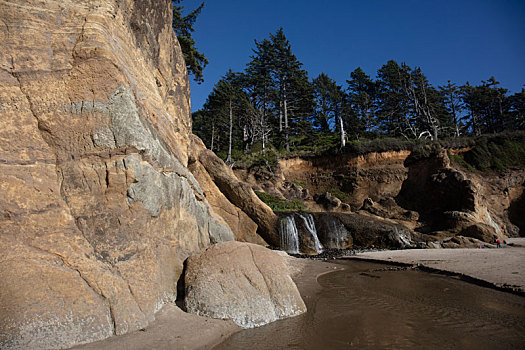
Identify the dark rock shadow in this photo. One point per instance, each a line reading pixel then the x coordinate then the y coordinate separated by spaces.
pixel 181 288
pixel 517 214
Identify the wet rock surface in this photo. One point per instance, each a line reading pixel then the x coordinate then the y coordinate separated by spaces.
pixel 363 231
pixel 421 190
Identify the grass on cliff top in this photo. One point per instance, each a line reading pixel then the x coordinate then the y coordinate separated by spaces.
pixel 497 152
pixel 318 146
pixel 278 204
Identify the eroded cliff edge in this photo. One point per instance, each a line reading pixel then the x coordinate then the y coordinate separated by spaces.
pixel 98 208
pixel 443 202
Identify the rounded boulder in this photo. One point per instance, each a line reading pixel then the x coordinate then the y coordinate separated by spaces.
pixel 244 282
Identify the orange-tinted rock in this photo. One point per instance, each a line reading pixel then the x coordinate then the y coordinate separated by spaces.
pixel 244 228
pixel 97 208
pixel 240 194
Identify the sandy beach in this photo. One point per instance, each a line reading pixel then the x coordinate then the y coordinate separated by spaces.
pixel 501 268
pixel 174 329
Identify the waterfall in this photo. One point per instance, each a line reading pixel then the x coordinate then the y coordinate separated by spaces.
pixel 289 235
pixel 337 234
pixel 309 223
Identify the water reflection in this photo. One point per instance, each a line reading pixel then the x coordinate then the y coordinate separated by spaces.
pixel 368 307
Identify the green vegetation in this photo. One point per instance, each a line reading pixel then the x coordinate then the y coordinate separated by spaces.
pixel 183 27
pixel 258 160
pixel 336 192
pixel 273 109
pixel 278 204
pixel 498 152
pixel 299 183
pixel 459 160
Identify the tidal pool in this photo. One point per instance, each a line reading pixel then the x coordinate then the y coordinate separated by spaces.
pixel 372 306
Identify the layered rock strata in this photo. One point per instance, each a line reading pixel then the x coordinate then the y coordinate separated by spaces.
pixel 422 191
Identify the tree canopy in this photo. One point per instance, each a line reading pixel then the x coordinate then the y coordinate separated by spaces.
pixel 183 27
pixel 273 103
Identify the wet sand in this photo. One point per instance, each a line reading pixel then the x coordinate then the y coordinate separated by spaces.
pixel 502 268
pixel 374 306
pixel 174 329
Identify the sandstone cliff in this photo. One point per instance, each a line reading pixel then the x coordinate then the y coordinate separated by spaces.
pixel 98 210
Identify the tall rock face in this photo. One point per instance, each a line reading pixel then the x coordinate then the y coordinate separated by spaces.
pixel 97 208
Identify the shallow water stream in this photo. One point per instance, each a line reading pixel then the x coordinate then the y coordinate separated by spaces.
pixel 371 306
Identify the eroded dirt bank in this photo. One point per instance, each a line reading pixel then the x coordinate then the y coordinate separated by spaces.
pixel 426 190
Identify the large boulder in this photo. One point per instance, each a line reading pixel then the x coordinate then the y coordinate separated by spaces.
pixel 480 231
pixel 97 208
pixel 244 282
pixel 328 201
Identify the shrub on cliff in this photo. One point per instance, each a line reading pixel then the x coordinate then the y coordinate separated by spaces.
pixel 278 204
pixel 497 152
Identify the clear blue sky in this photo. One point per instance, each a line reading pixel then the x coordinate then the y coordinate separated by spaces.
pixel 457 40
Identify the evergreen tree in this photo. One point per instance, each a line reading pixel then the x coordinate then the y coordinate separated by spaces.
pixel 453 104
pixel 393 114
pixel 273 101
pixel 260 87
pixel 426 105
pixel 516 120
pixel 204 126
pixel 488 106
pixel 362 93
pixel 183 26
pixel 294 97
pixel 225 107
pixel 279 89
pixel 329 106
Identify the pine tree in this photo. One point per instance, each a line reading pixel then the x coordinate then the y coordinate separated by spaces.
pixel 488 106
pixel 260 87
pixel 393 115
pixel 279 90
pixel 329 106
pixel 293 98
pixel 183 27
pixel 426 104
pixel 453 104
pixel 226 108
pixel 362 97
pixel 516 120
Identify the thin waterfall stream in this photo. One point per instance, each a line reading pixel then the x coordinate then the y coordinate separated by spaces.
pixel 289 235
pixel 309 223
